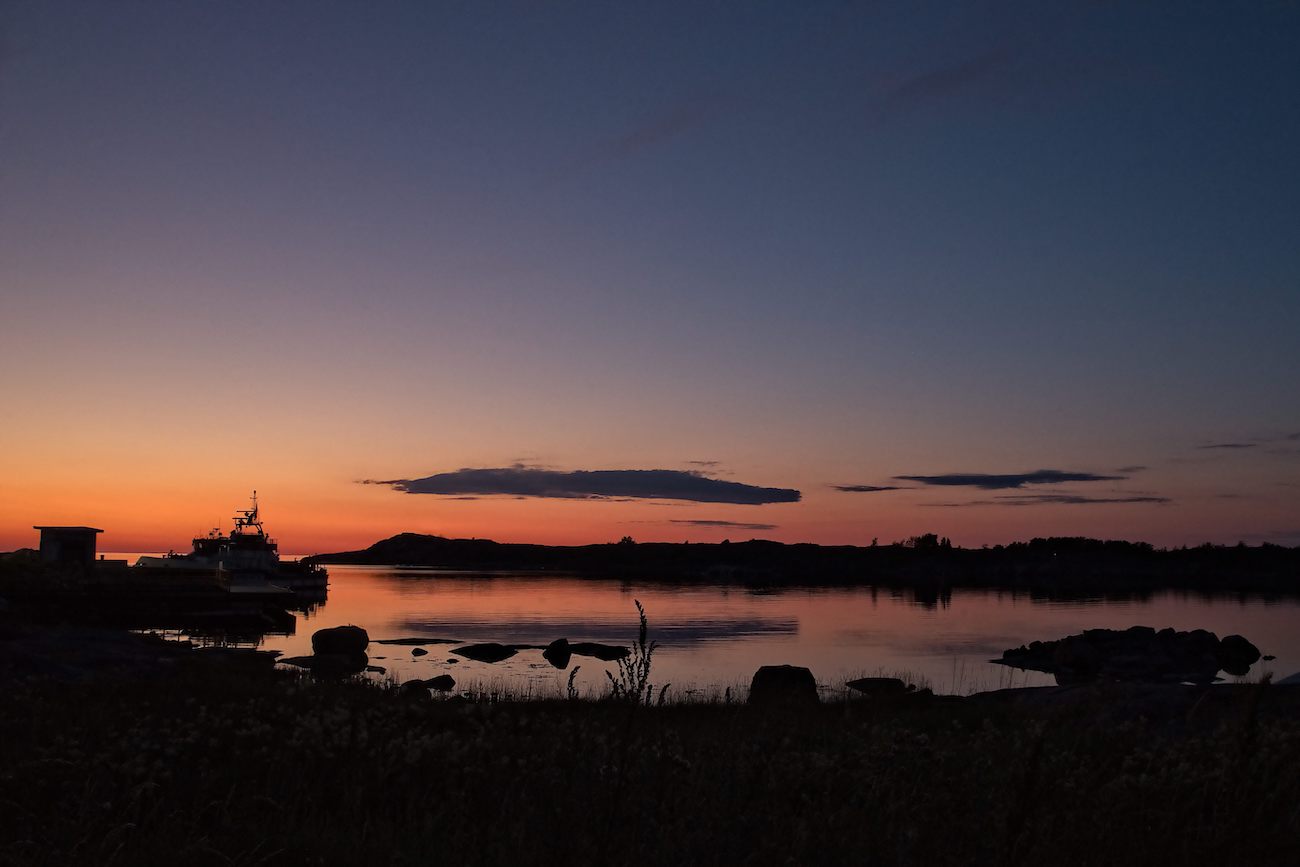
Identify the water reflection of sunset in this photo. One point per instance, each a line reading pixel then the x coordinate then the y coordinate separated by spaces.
pixel 714 635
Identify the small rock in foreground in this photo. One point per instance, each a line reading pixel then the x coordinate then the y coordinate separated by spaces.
pixel 783 685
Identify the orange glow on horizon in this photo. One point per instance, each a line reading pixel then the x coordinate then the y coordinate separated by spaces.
pixel 140 515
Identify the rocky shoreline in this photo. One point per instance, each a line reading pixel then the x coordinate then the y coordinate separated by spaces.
pixel 1113 681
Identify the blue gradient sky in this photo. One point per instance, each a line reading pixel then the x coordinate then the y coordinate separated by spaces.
pixel 293 246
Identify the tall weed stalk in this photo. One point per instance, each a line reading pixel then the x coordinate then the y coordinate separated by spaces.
pixel 632 683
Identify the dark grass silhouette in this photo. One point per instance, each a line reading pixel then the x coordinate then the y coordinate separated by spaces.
pixel 225 764
pixel 236 770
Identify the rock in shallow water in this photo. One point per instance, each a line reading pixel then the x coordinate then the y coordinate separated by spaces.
pixel 489 652
pixel 340 639
pixel 558 653
pixel 442 683
pixel 1138 654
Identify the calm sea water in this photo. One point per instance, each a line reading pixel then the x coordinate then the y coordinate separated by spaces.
pixel 715 636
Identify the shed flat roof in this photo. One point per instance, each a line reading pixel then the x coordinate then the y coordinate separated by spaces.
pixel 86 529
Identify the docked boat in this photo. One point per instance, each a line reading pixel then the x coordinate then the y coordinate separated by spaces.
pixel 245 562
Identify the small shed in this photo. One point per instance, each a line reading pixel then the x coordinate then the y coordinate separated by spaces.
pixel 69 546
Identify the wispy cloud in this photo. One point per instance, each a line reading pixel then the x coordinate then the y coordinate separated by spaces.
pixel 1054 500
pixel 1229 446
pixel 869 489
pixel 1135 468
pixel 733 525
pixel 522 481
pixel 674 121
pixel 941 83
pixel 1000 481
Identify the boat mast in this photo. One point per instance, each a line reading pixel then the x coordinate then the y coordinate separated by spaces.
pixel 248 518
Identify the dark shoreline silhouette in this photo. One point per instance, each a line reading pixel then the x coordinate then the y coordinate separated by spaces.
pixel 1066 566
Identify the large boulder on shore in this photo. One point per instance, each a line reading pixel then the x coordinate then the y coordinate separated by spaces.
pixel 783 686
pixel 1237 655
pixel 340 639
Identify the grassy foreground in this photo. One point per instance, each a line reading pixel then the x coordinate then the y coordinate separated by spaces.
pixel 219 768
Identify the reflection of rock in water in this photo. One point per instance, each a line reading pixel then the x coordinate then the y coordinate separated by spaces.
pixel 417 642
pixel 1139 653
pixel 678 633
pixel 339 651
pixel 330 665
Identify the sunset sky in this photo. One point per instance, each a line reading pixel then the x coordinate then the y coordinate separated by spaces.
pixel 838 271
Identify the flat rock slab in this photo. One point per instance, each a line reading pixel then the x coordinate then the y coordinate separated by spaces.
pixel 880 686
pixel 603 652
pixel 489 652
pixel 417 642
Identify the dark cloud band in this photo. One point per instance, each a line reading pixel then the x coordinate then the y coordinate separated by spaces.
pixel 1002 481
pixel 1056 500
pixel 592 484
pixel 868 489
pixel 729 525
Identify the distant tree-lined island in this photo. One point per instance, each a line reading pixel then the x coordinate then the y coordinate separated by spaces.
pixel 1067 565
